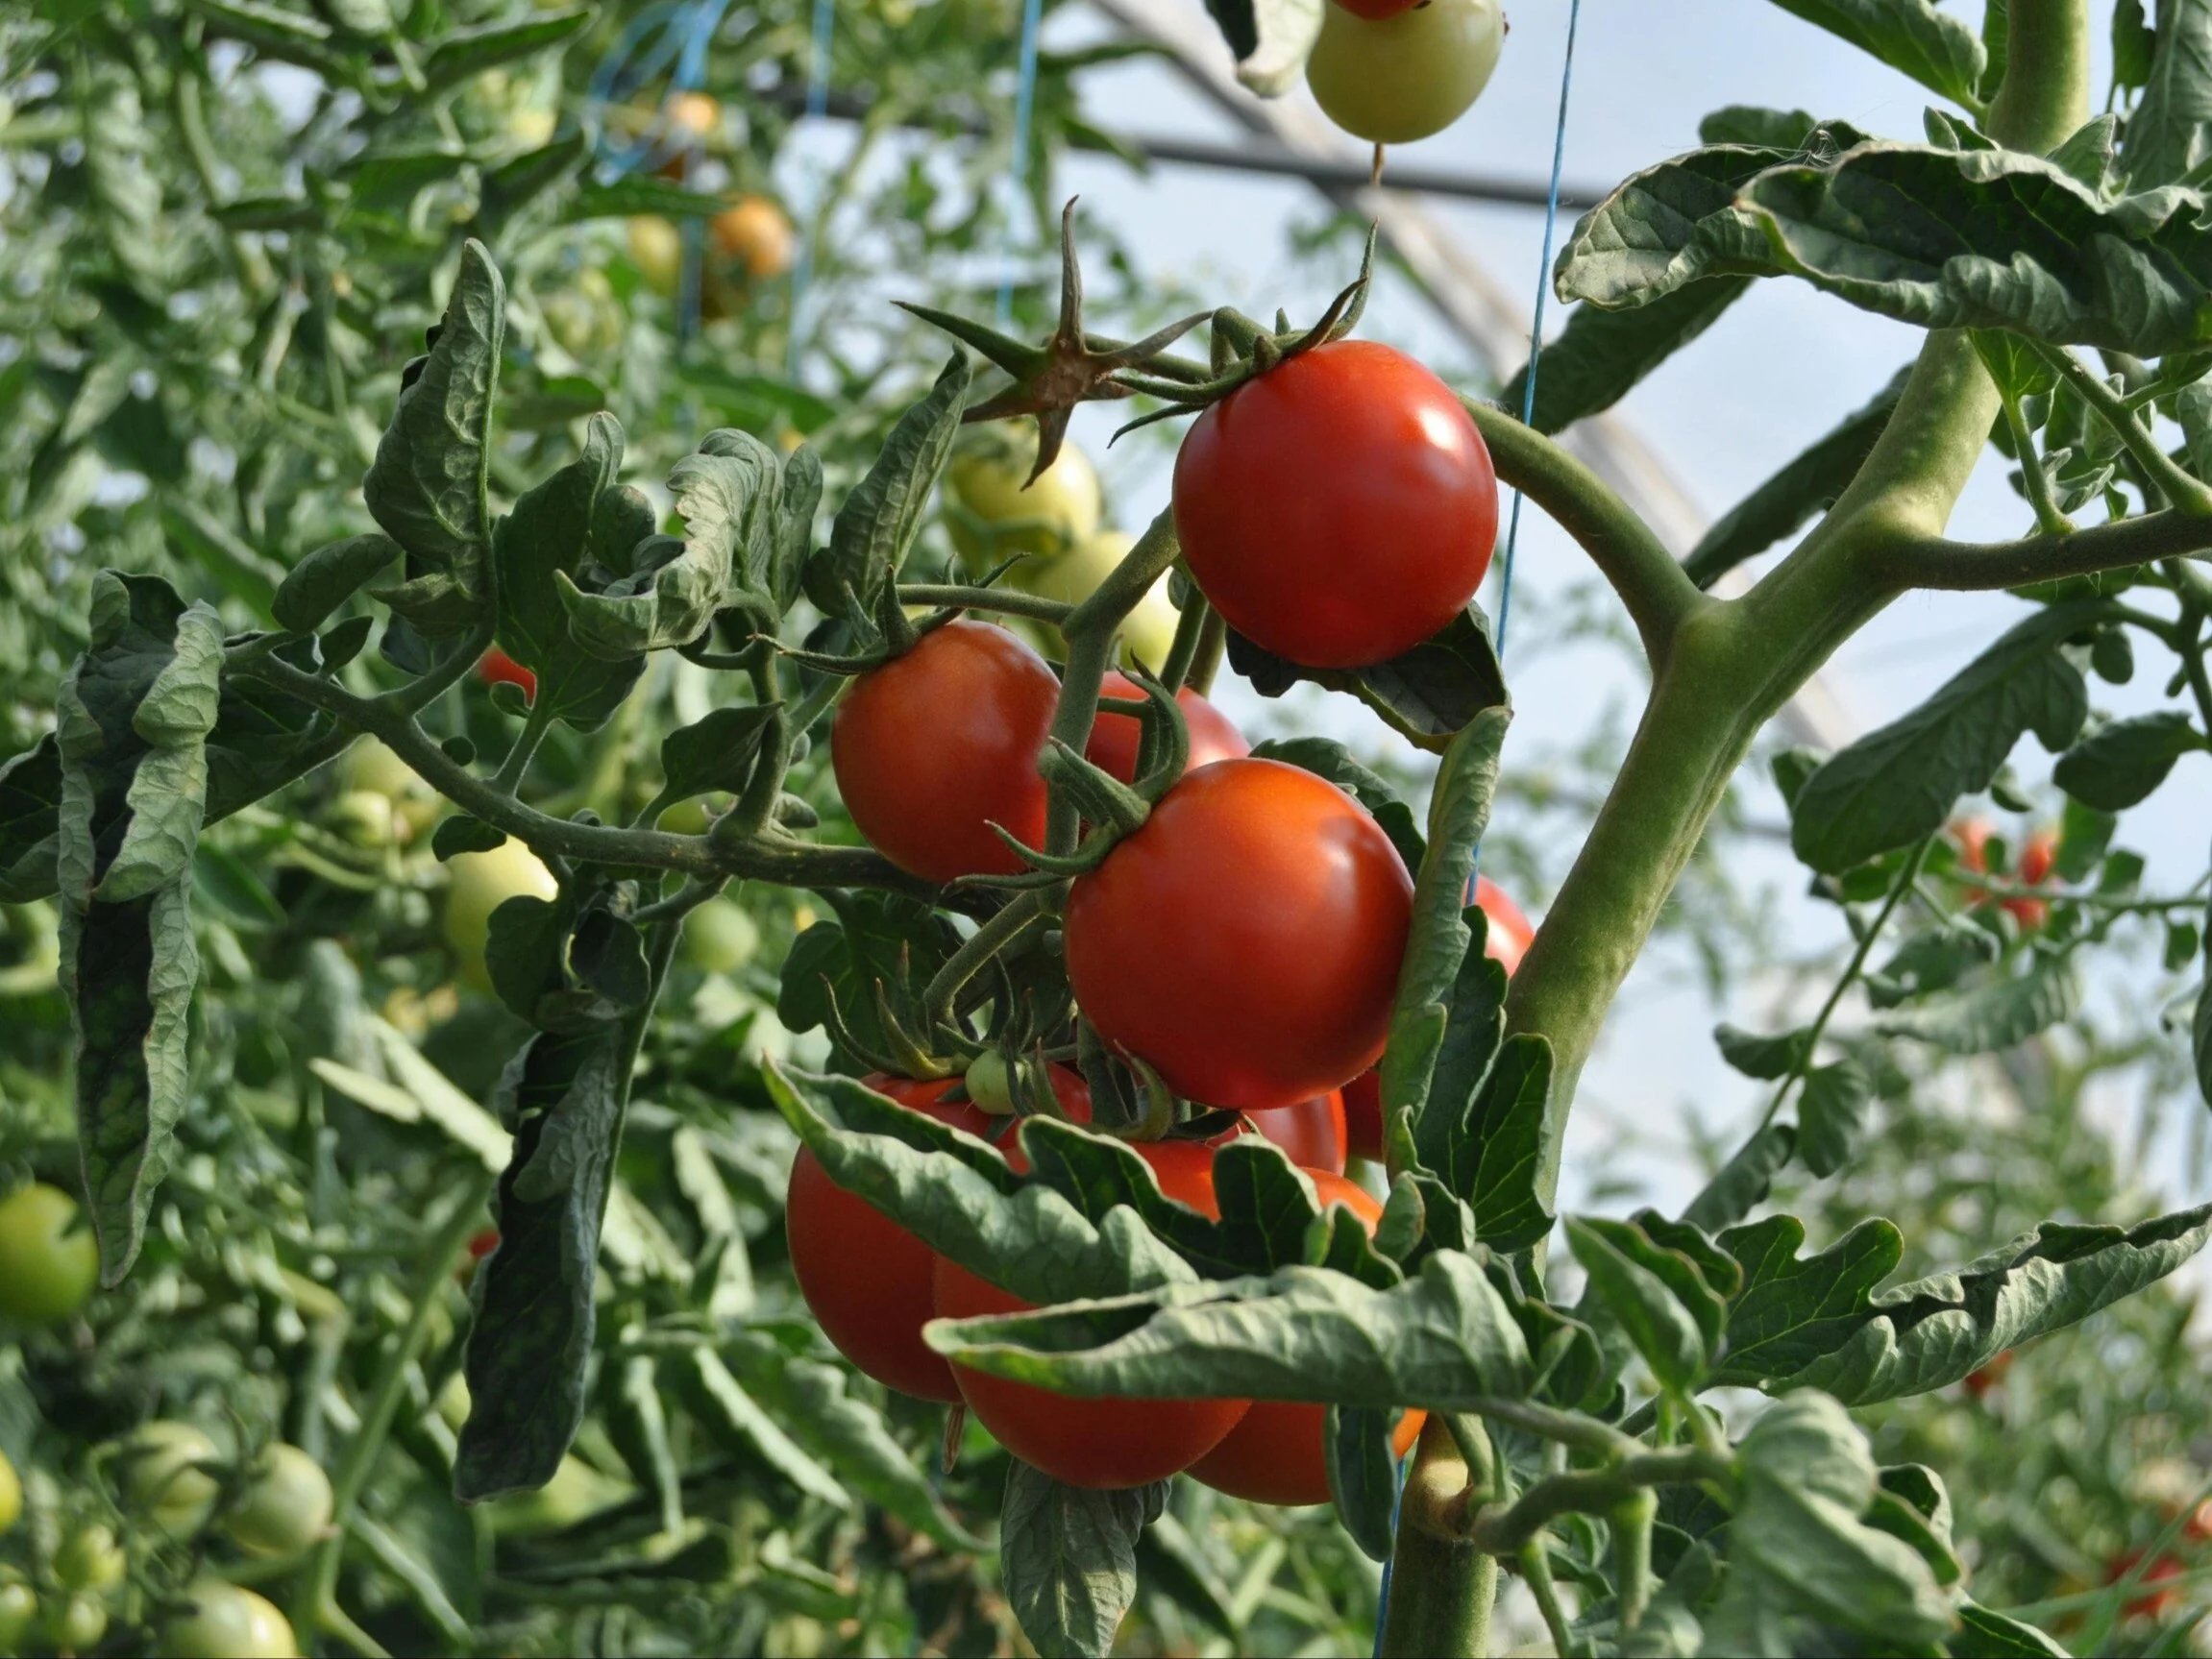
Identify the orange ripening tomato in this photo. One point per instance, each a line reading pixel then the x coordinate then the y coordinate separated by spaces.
pixel 1338 509
pixel 1277 1454
pixel 495 667
pixel 2036 859
pixel 864 1277
pixel 938 744
pixel 1312 1133
pixel 1100 1444
pixel 1511 934
pixel 1114 737
pixel 753 231
pixel 2149 1603
pixel 1982 1379
pixel 1245 940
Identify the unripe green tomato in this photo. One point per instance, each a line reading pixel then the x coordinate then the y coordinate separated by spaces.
pixel 984 483
pixel 10 1495
pixel 286 1504
pixel 718 936
pixel 696 815
pixel 226 1622
pixel 90 1559
pixel 164 1478
pixel 586 318
pixel 372 766
pixel 480 883
pixel 49 1263
pixel 1392 80
pixel 453 1401
pixel 576 1490
pixel 657 250
pixel 366 819
pixel 990 1086
pixel 1148 632
pixel 75 1623
pixel 18 1613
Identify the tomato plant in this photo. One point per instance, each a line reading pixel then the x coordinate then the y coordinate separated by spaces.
pixel 515 682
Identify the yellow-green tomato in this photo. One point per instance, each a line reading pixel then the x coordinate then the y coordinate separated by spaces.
pixel 1392 80
pixel 285 1506
pixel 1147 632
pixel 480 883
pixel 576 1490
pixel 90 1559
pixel 49 1262
pixel 164 1474
pixel 18 1613
pixel 225 1622
pixel 371 767
pixel 993 517
pixel 657 250
pixel 718 936
pixel 10 1495
pixel 988 1086
pixel 75 1623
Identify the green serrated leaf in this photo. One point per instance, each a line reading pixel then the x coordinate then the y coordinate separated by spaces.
pixel 1742 1184
pixel 1990 239
pixel 1832 1115
pixel 329 576
pixel 467 52
pixel 1067 1558
pixel 730 1415
pixel 1428 695
pixel 1807 1479
pixel 1912 36
pixel 2120 764
pixel 1600 356
pixel 460 833
pixel 1656 1295
pixel 1363 1474
pixel 716 753
pixel 877 522
pixel 1439 939
pixel 1934 959
pixel 1985 1634
pixel 1896 784
pixel 1766 1058
pixel 29 821
pixel 1992 1018
pixel 847 1435
pixel 429 486
pixel 2167 137
pixel 1443 1339
pixel 531 1338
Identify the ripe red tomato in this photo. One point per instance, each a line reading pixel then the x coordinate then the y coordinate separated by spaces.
pixel 1246 939
pixel 1340 509
pixel 495 667
pixel 2036 859
pixel 1511 934
pixel 1103 1444
pixel 936 745
pixel 1313 1132
pixel 1982 1379
pixel 1114 737
pixel 2151 1603
pixel 1277 1454
pixel 866 1278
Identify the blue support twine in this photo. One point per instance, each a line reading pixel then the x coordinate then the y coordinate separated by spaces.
pixel 1505 574
pixel 1017 172
pixel 1536 323
pixel 817 105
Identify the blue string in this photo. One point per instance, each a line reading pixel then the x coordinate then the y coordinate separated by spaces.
pixel 816 103
pixel 1025 100
pixel 1506 577
pixel 1536 324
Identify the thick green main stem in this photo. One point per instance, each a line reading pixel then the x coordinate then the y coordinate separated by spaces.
pixel 1720 671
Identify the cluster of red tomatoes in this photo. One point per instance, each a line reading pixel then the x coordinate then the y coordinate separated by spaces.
pixel 1244 941
pixel 2036 860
